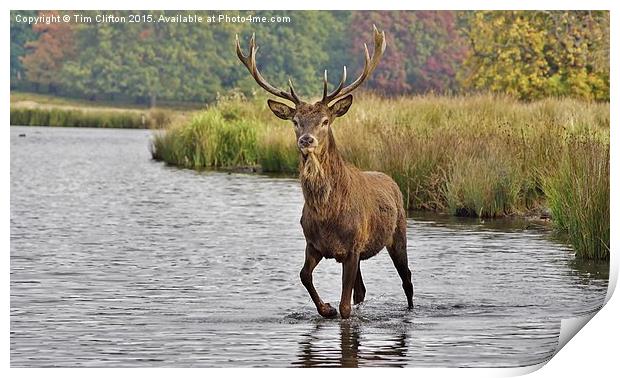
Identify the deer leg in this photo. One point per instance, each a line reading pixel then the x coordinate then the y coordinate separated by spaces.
pixel 349 275
pixel 313 257
pixel 398 253
pixel 359 290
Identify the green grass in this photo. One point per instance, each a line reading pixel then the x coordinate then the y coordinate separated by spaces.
pixel 29 109
pixel 209 140
pixel 578 195
pixel 481 156
pixel 52 116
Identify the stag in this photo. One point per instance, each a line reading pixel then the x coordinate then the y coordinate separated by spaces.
pixel 348 215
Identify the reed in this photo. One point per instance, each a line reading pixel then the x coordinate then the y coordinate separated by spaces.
pixel 214 138
pixel 74 117
pixel 578 196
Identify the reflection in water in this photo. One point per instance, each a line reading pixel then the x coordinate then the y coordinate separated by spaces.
pixel 590 269
pixel 508 224
pixel 355 348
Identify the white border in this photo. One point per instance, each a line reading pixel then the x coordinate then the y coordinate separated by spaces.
pixel 592 352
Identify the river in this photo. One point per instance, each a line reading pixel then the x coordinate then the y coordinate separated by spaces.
pixel 121 261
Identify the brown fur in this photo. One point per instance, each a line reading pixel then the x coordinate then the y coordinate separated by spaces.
pixel 348 215
pixel 347 210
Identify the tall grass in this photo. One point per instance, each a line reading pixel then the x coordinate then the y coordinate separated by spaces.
pixel 209 140
pixel 53 116
pixel 482 156
pixel 578 196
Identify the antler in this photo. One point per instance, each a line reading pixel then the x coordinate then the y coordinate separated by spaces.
pixel 250 62
pixel 369 65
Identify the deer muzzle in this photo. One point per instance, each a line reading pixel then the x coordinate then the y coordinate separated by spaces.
pixel 307 143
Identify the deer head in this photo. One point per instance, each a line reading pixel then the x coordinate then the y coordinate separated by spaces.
pixel 312 122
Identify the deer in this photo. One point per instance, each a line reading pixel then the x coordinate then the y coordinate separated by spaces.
pixel 348 214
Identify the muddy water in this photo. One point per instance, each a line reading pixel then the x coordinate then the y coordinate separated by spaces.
pixel 117 260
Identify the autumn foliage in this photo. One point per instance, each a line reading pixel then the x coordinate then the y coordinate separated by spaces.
pixel 526 54
pixel 425 50
pixel 46 55
pixel 538 54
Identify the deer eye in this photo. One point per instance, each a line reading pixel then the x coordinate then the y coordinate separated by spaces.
pixel 295 124
pixel 325 122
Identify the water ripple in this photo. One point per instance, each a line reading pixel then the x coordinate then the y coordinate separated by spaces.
pixel 117 260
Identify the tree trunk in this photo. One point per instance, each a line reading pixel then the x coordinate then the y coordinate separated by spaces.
pixel 153 101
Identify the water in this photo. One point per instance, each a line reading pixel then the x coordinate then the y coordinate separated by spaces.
pixel 117 260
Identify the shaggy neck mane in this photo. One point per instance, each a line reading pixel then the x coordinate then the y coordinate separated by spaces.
pixel 325 178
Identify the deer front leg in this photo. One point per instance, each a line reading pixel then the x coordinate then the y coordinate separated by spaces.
pixel 349 275
pixel 313 257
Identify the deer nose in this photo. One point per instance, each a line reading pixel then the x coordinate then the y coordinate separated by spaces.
pixel 305 141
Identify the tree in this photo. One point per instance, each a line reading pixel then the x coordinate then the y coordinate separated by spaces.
pixel 95 72
pixel 533 54
pixel 48 53
pixel 21 33
pixel 579 54
pixel 424 48
pixel 527 54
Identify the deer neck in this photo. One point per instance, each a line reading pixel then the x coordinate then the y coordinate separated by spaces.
pixel 322 175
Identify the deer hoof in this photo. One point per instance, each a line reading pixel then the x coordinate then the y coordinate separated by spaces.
pixel 327 311
pixel 345 311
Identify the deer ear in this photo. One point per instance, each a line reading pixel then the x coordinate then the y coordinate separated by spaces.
pixel 281 110
pixel 341 107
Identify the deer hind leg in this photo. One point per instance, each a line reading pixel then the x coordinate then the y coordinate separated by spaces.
pixel 398 253
pixel 359 290
pixel 313 257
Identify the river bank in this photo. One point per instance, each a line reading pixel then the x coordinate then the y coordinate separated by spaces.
pixel 30 109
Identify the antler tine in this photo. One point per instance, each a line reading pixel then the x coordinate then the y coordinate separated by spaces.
pixel 324 86
pixel 249 61
pixel 242 57
pixel 290 85
pixel 369 65
pixel 329 97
